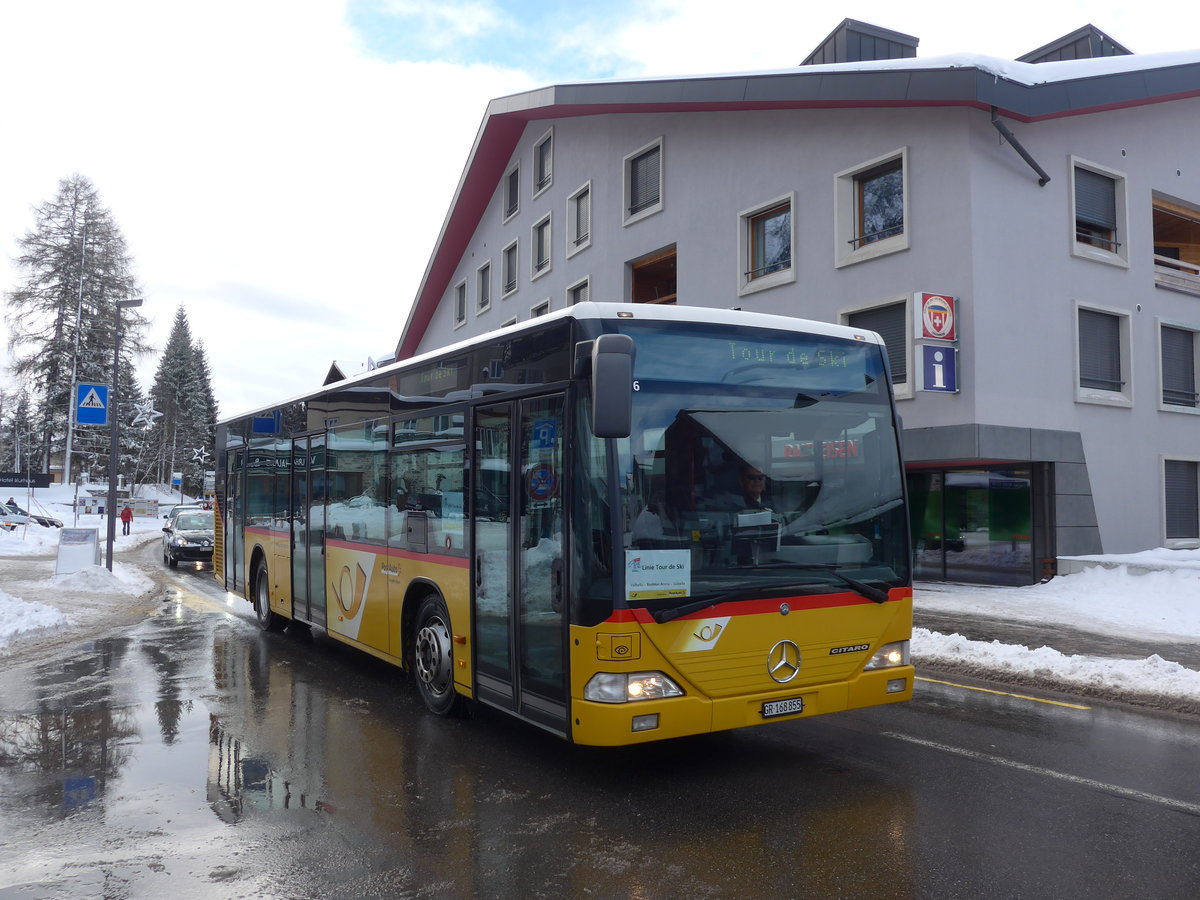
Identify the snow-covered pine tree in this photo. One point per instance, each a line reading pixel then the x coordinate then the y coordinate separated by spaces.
pixel 76 267
pixel 182 439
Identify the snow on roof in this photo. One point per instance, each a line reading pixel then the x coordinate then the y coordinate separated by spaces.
pixel 1020 72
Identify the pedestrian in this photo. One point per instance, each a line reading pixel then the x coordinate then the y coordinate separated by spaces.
pixel 126 519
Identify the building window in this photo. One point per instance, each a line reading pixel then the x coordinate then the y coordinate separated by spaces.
pixel 643 182
pixel 891 323
pixel 507 322
pixel 1176 246
pixel 483 291
pixel 460 303
pixel 1098 213
pixel 579 219
pixel 508 269
pixel 765 254
pixel 540 310
pixel 872 208
pixel 543 163
pixel 579 292
pixel 1178 354
pixel 652 278
pixel 1181 499
pixel 512 193
pixel 1102 360
pixel 540 258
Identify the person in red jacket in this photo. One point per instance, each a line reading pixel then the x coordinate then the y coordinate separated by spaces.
pixel 126 519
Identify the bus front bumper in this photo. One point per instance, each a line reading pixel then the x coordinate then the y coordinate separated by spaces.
pixel 618 724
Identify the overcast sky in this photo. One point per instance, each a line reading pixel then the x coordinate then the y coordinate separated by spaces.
pixel 281 168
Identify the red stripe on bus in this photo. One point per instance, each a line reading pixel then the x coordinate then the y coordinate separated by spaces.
pixel 759 607
pixel 392 553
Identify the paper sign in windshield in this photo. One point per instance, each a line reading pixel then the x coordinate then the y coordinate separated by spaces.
pixel 655 574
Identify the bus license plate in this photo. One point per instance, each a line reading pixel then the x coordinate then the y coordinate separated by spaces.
pixel 788 707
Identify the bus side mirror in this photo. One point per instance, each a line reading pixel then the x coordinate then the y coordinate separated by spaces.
pixel 612 385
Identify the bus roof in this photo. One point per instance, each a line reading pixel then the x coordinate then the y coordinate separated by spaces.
pixel 596 311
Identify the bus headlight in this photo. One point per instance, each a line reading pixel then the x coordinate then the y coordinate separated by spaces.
pixel 625 687
pixel 889 655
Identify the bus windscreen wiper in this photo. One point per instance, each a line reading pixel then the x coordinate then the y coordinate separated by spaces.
pixel 859 587
pixel 667 615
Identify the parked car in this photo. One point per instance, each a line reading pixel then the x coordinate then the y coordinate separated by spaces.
pixel 188 536
pixel 11 513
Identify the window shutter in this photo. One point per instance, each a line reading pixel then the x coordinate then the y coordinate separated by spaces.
pixel 1181 494
pixel 889 322
pixel 583 216
pixel 644 177
pixel 1178 367
pixel 1099 351
pixel 1095 199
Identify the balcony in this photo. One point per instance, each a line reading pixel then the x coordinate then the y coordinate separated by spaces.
pixel 1176 275
pixel 1176 247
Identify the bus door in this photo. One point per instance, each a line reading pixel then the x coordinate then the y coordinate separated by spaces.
pixel 517 570
pixel 308 528
pixel 234 522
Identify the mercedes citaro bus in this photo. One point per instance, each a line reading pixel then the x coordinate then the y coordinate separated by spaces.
pixel 618 522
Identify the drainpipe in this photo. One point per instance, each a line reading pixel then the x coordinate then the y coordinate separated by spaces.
pixel 1012 139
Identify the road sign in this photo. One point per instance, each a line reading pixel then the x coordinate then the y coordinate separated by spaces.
pixel 91 404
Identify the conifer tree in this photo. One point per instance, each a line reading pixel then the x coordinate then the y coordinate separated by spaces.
pixel 182 439
pixel 61 318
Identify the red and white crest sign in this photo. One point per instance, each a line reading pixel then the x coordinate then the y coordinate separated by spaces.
pixel 938 322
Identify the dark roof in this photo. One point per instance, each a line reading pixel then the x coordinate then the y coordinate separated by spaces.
pixel 855 41
pixel 1016 90
pixel 1088 42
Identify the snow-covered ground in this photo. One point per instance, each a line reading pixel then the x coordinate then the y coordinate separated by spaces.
pixel 1160 606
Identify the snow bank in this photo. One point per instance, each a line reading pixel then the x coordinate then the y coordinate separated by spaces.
pixel 123 579
pixel 1154 681
pixel 22 619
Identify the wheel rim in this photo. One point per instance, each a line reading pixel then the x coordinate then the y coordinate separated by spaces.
pixel 433 656
pixel 262 596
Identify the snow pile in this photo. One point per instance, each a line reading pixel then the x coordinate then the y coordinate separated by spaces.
pixel 1155 680
pixel 21 618
pixel 122 579
pixel 1160 605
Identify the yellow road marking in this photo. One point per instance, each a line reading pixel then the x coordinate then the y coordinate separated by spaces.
pixel 968 687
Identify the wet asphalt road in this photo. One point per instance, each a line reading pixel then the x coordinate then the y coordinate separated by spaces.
pixel 193 756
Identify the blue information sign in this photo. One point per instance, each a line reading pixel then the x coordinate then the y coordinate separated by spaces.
pixel 91 404
pixel 939 369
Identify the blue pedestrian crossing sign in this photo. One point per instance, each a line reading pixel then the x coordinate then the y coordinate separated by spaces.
pixel 91 404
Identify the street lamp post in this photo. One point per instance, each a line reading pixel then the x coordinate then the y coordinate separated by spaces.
pixel 114 454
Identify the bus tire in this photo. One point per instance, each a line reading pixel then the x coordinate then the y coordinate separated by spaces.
pixel 433 657
pixel 268 619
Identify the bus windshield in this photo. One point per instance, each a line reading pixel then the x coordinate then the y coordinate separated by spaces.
pixel 762 466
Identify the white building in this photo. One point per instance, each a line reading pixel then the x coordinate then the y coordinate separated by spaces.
pixel 1055 203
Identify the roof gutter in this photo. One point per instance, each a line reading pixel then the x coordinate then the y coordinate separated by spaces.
pixel 1012 139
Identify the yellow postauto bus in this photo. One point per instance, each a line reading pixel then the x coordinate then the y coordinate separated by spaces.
pixel 619 523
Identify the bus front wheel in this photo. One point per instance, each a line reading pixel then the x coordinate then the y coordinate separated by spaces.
pixel 267 618
pixel 433 657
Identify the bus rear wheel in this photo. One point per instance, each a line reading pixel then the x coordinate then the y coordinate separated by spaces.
pixel 433 657
pixel 267 618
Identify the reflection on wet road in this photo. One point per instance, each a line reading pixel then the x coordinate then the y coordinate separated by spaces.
pixel 194 756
